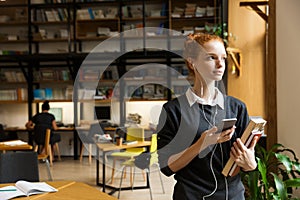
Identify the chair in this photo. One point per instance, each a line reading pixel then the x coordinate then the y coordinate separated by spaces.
pixel 39 138
pixel 21 165
pixel 132 134
pixel 89 139
pixel 46 153
pixel 7 136
pixel 153 161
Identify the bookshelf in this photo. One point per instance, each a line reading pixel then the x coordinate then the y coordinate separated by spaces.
pixel 51 28
pixel 13 88
pixel 57 36
pixel 193 16
pixel 14 27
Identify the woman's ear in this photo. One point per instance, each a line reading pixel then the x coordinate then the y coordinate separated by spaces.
pixel 190 63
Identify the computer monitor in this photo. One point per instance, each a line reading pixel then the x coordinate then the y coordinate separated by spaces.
pixel 102 113
pixel 58 114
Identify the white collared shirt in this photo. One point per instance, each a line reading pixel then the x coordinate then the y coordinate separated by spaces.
pixel 193 98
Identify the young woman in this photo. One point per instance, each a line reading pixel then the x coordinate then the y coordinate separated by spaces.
pixel 189 145
pixel 42 121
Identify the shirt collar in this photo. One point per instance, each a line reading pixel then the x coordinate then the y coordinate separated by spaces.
pixel 193 98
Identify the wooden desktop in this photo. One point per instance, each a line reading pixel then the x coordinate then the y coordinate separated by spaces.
pixel 69 190
pixel 60 129
pixel 16 147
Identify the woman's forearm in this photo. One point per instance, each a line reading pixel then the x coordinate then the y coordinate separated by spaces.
pixel 209 137
pixel 180 160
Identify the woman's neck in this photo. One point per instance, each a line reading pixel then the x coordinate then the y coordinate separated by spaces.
pixel 205 91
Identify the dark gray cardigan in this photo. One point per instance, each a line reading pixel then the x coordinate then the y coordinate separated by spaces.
pixel 180 125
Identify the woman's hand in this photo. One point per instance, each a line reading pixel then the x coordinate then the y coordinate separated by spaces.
pixel 243 156
pixel 208 137
pixel 29 125
pixel 226 135
pixel 211 137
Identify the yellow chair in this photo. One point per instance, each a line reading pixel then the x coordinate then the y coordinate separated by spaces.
pixel 153 161
pixel 46 153
pixel 55 147
pixel 132 134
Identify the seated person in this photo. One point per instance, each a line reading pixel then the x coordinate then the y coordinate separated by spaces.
pixel 42 121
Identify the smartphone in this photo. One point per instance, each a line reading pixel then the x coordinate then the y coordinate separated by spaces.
pixel 226 124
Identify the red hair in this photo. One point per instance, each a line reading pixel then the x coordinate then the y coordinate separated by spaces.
pixel 194 45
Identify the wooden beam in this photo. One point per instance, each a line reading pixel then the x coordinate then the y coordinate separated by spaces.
pixel 270 70
pixel 270 78
pixel 236 56
pixel 254 5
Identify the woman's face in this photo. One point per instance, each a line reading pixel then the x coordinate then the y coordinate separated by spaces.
pixel 210 62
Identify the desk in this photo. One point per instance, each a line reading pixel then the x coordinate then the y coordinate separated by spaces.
pixel 60 129
pixel 69 190
pixel 19 147
pixel 106 147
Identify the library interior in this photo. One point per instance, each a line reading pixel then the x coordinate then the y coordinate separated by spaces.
pixel 106 68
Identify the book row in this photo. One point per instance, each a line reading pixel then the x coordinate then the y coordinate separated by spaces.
pixel 53 93
pixel 19 94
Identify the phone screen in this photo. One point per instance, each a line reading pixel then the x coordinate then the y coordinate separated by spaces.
pixel 226 124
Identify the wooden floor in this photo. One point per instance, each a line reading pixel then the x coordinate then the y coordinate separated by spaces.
pixel 70 169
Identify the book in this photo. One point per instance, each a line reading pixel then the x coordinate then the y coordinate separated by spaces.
pixel 50 16
pixel 254 128
pixel 130 142
pixel 13 143
pixel 25 188
pixel 39 94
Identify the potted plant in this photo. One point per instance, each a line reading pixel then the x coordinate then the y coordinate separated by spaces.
pixel 277 174
pixel 217 29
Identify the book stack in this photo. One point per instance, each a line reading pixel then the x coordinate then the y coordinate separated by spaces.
pixel 111 12
pixel 200 11
pixel 85 14
pixel 8 95
pixel 148 91
pixel 89 74
pixel 210 11
pixel 14 76
pixel 255 128
pixel 22 94
pixel 189 10
pixel 177 12
pixel 52 15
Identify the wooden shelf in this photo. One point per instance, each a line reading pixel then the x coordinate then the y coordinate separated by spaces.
pixel 12 102
pixel 53 81
pixel 254 5
pixel 143 99
pixel 51 40
pixel 55 23
pixel 193 18
pixel 13 41
pixel 52 100
pixel 100 101
pixel 14 83
pixel 100 38
pixel 97 20
pixel 14 23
